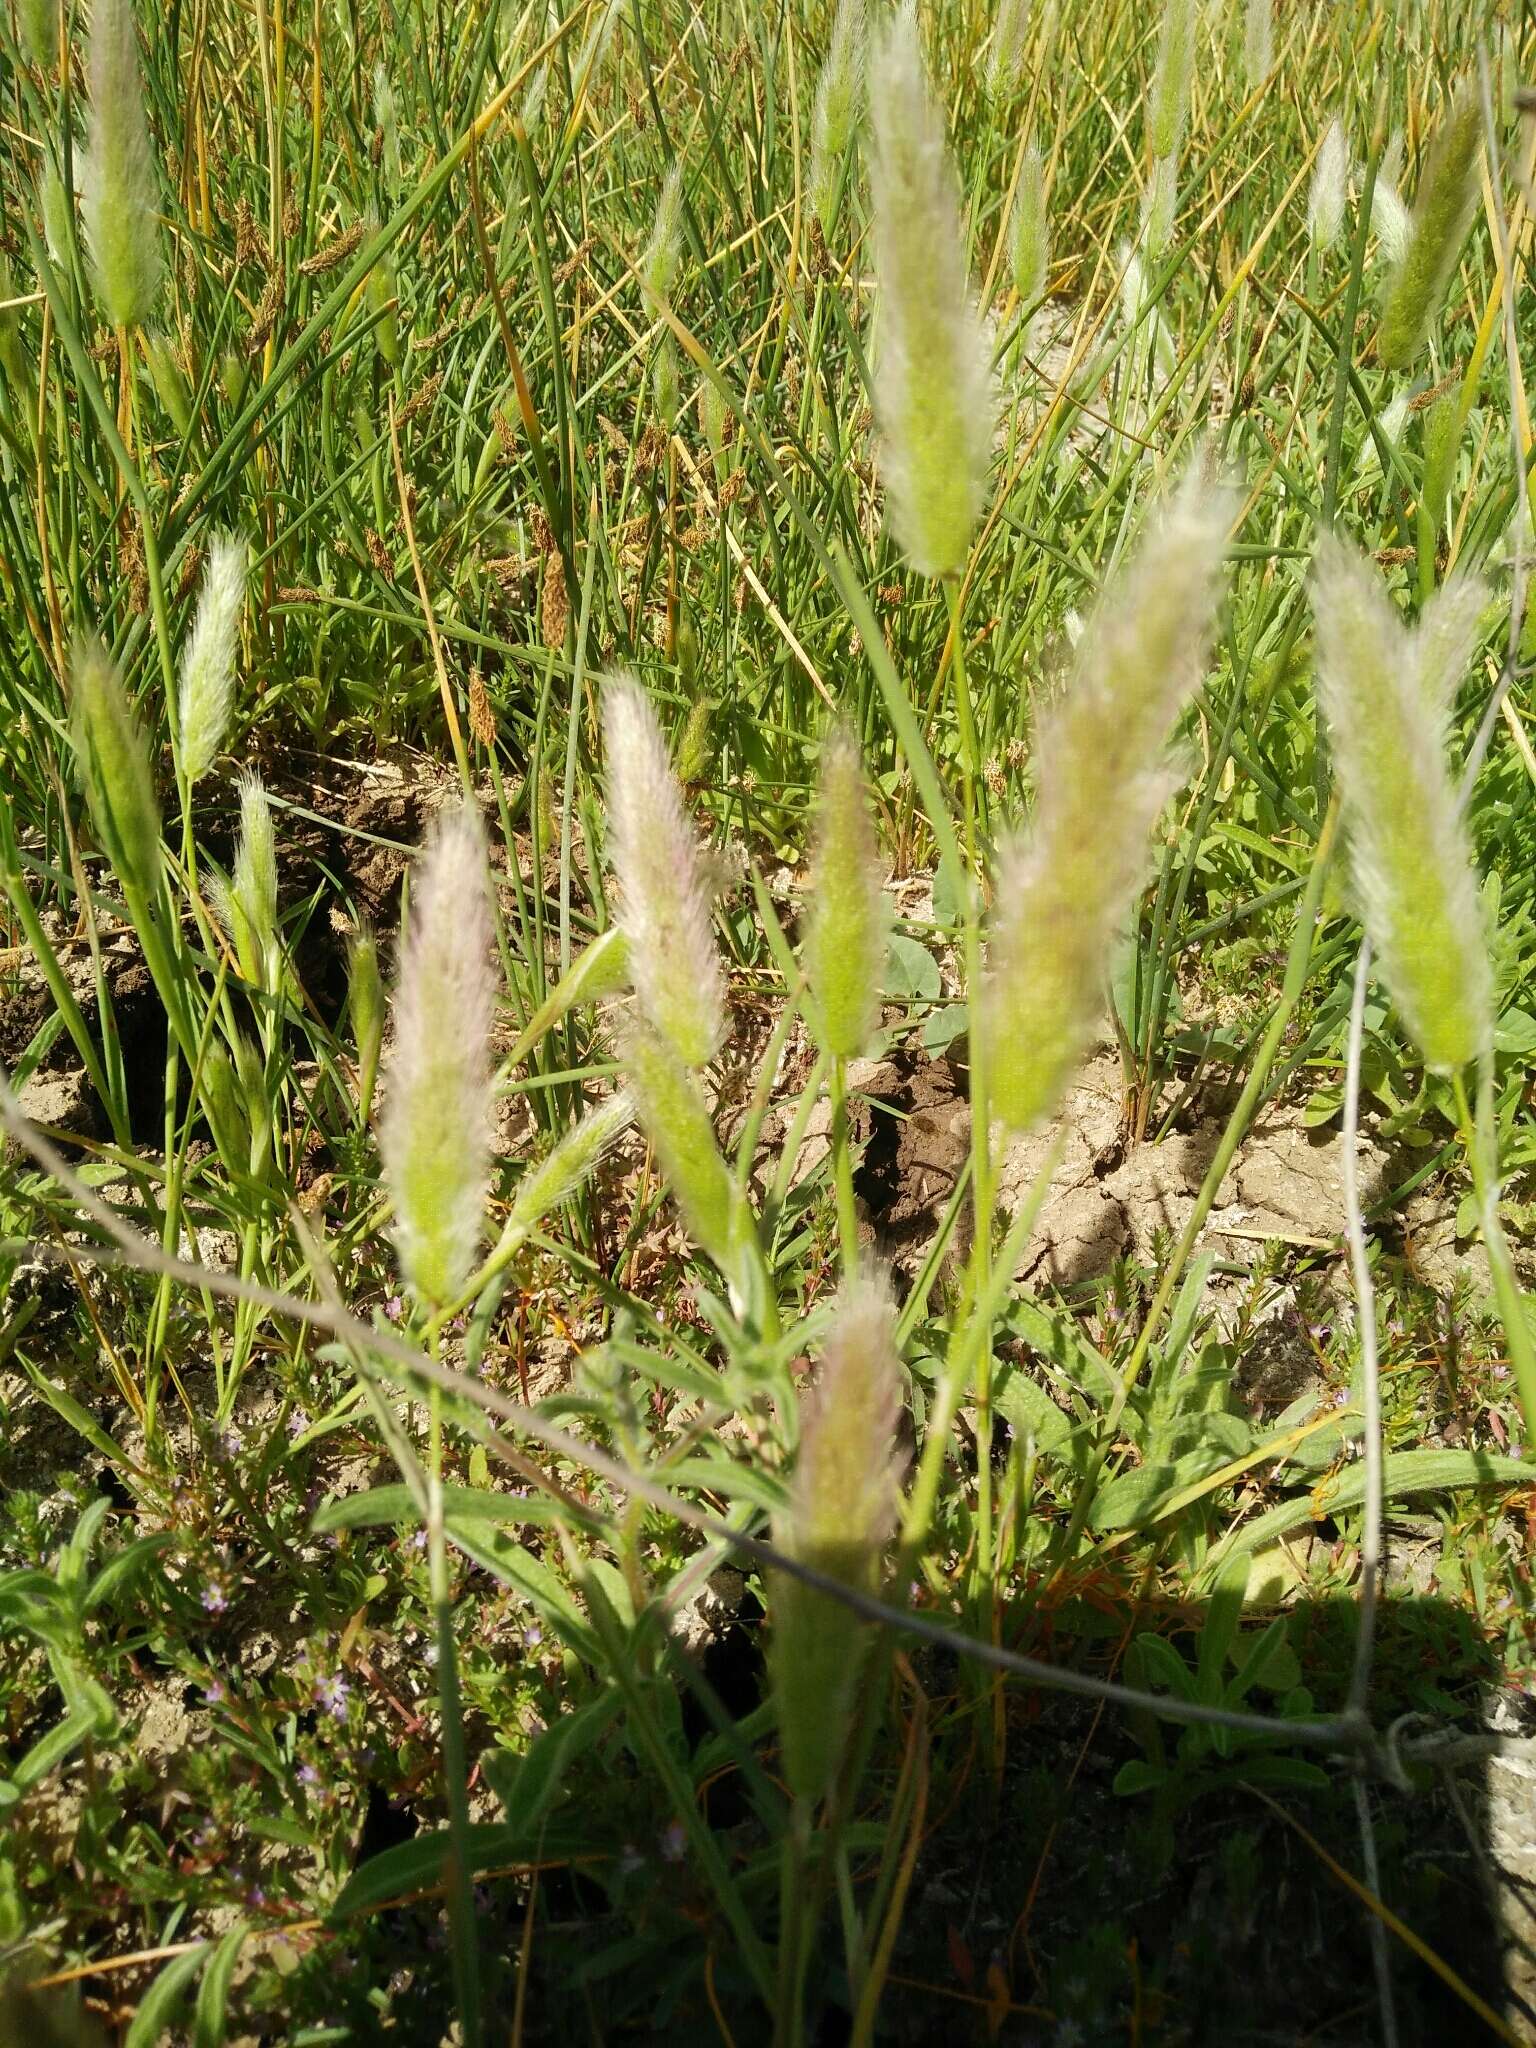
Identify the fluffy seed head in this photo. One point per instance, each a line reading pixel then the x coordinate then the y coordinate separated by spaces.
pixel 846 935
pixel 248 907
pixel 1005 58
pixel 1030 232
pixel 1330 187
pixel 571 1164
pixel 1160 204
pixel 1065 886
pixel 1389 216
pixel 207 691
pixel 1442 214
pixel 39 21
pixel 1258 41
pixel 933 378
pixel 386 119
pixel 436 1130
pixel 842 1511
pixel 113 764
pixel 1385 692
pixel 839 90
pixel 1168 101
pixel 119 180
pixel 664 908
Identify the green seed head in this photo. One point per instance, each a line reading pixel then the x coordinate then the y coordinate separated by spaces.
pixel 848 922
pixel 1064 888
pixel 365 1005
pixel 113 764
pixel 1005 56
pixel 1442 214
pixel 120 181
pixel 835 115
pixel 1030 232
pixel 1385 691
pixel 39 21
pixel 664 252
pixel 1168 101
pixel 933 377
pixel 549 1185
pixel 841 1514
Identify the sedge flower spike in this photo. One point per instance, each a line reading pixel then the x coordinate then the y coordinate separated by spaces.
pixel 207 689
pixel 1442 214
pixel 1385 690
pixel 842 1510
pixel 1064 886
pixel 934 395
pixel 848 923
pixel 435 1135
pixel 119 182
pixel 664 897
pixel 834 117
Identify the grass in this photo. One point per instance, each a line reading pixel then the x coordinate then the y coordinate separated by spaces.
pixel 377 1670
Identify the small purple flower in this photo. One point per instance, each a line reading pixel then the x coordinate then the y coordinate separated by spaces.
pixel 673 1842
pixel 394 1308
pixel 215 1693
pixel 533 1635
pixel 298 1422
pixel 308 1775
pixel 331 1694
pixel 231 1442
pixel 1501 1372
pixel 215 1597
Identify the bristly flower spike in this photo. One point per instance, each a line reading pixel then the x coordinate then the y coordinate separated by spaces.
pixel 207 689
pixel 1064 887
pixel 119 182
pixel 843 1504
pixel 1330 187
pixel 934 392
pixel 664 898
pixel 834 118
pixel 1443 209
pixel 1168 100
pixel 848 922
pixel 1030 232
pixel 1385 691
pixel 435 1135
pixel 113 764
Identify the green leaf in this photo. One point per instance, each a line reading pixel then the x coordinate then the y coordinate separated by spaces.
pixel 164 1999
pixel 1029 1410
pixel 213 1993
pixel 422 1865
pixel 1403 1473
pixel 389 1506
pixel 912 973
pixel 1139 1776
pixel 1136 1497
pixel 527 1784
